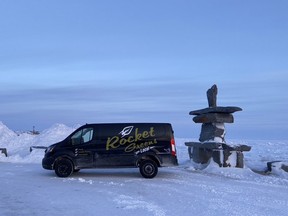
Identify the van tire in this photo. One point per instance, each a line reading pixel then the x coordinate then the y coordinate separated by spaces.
pixel 63 167
pixel 148 168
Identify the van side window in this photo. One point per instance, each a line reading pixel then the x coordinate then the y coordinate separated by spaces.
pixel 83 136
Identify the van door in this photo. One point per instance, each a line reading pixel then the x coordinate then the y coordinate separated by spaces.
pixel 114 157
pixel 83 145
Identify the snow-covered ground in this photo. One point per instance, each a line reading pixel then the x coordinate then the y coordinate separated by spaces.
pixel 27 189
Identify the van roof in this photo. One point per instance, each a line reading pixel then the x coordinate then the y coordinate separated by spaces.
pixel 134 123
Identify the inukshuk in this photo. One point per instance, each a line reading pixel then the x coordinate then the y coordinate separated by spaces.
pixel 212 143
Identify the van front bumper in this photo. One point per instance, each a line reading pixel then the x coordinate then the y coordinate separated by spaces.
pixel 47 163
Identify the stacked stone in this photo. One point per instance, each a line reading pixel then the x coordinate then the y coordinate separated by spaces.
pixel 212 136
pixel 213 119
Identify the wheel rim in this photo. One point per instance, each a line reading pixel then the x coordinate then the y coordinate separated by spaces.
pixel 149 169
pixel 63 169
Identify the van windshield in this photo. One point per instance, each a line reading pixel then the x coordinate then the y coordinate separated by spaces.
pixel 82 136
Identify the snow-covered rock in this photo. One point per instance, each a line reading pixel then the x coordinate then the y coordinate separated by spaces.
pixel 278 167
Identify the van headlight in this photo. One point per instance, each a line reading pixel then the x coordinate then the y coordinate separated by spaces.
pixel 50 149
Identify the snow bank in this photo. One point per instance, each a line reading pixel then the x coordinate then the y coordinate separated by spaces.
pixel 6 134
pixel 18 146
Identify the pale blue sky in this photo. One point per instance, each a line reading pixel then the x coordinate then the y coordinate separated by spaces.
pixel 74 62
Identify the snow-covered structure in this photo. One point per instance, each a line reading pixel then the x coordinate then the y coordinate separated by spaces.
pixel 212 143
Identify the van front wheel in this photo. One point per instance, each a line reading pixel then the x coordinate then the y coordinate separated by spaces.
pixel 148 168
pixel 63 168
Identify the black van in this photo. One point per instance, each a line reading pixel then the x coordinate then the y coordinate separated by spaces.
pixel 144 145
